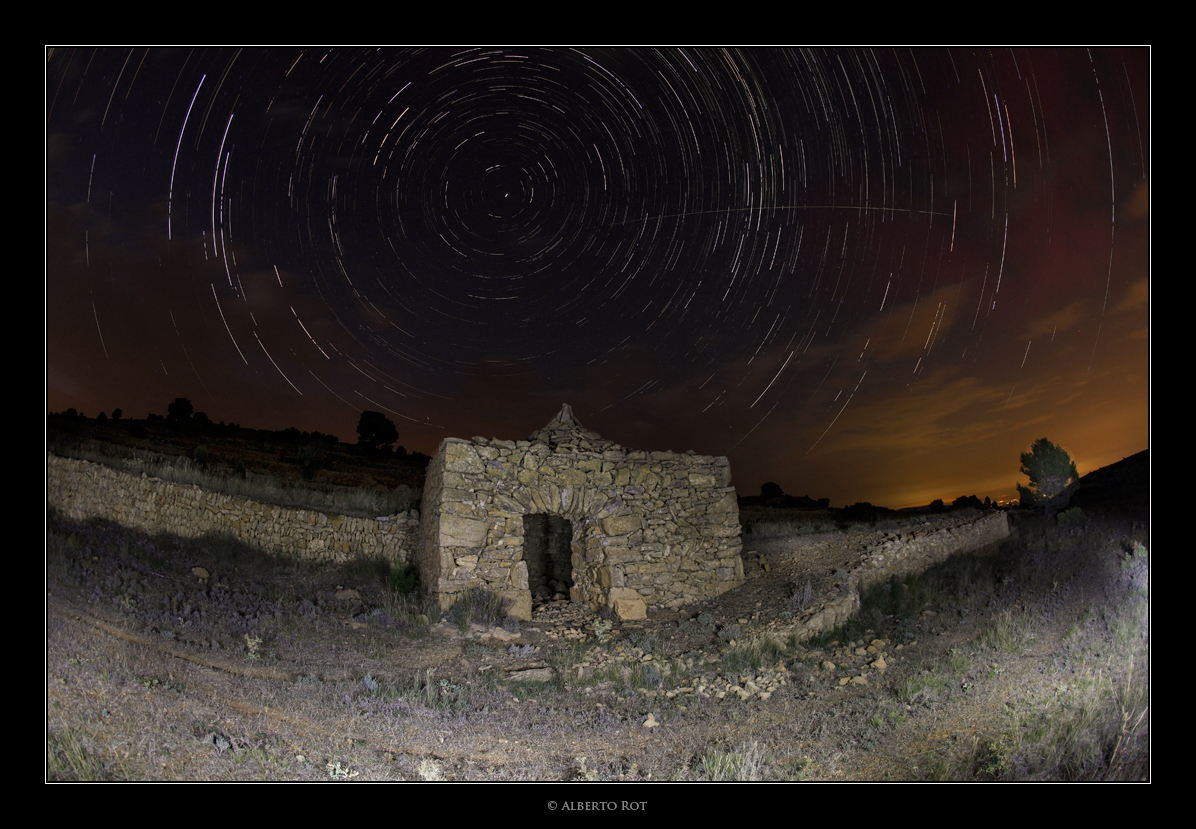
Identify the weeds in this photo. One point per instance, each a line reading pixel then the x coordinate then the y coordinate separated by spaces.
pixel 479 606
pixel 801 597
pixel 646 641
pixel 427 691
pixel 602 629
pixel 752 655
pixel 430 771
pixel 403 580
pixel 411 613
pixel 69 760
pixel 338 772
pixel 253 646
pixel 934 684
pixel 1010 633
pixel 1096 730
pixel 743 766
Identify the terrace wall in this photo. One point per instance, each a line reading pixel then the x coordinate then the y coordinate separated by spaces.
pixel 81 490
pixel 903 553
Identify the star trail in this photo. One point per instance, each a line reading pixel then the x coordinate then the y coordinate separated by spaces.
pixel 864 274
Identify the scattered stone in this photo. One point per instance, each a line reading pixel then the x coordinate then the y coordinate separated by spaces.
pixel 200 573
pixel 651 721
pixel 530 675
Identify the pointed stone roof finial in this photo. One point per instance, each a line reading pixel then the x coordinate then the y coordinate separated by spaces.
pixel 565 433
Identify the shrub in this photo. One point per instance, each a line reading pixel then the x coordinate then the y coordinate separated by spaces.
pixel 738 766
pixel 403 580
pixel 480 606
pixel 1075 515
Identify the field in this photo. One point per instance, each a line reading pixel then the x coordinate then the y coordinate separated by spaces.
pixel 174 659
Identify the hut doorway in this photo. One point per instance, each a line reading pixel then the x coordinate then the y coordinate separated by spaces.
pixel 548 553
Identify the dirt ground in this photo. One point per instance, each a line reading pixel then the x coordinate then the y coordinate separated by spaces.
pixel 170 659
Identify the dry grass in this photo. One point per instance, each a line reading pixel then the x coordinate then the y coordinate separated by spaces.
pixel 1030 664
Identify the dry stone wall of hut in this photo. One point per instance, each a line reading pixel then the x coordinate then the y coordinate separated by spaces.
pixel 644 529
pixel 81 490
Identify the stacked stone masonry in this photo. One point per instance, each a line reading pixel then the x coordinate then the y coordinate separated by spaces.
pixel 903 554
pixel 82 490
pixel 648 529
pixel 645 529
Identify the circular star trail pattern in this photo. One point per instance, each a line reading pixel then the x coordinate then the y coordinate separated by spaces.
pixel 555 202
pixel 718 242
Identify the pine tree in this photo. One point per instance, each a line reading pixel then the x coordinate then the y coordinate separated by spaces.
pixel 1051 471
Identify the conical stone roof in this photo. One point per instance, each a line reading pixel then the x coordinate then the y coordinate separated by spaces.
pixel 564 433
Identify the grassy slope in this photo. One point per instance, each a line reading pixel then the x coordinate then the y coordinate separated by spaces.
pixel 1030 663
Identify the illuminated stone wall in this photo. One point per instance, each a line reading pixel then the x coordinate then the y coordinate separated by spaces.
pixel 649 529
pixel 82 490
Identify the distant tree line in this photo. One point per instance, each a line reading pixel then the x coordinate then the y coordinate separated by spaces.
pixel 376 434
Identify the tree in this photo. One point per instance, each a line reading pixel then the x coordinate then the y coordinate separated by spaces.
pixel 376 431
pixel 771 490
pixel 180 410
pixel 1051 471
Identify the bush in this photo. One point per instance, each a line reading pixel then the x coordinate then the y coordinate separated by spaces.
pixel 403 580
pixel 1075 515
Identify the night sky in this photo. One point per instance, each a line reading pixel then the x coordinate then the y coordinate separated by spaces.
pixel 868 275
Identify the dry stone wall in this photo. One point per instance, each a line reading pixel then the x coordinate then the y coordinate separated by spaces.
pixel 901 553
pixel 82 490
pixel 914 549
pixel 655 529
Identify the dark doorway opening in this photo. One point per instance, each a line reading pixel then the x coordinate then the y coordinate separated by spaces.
pixel 548 551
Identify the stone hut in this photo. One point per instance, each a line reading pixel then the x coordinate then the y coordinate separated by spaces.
pixel 568 513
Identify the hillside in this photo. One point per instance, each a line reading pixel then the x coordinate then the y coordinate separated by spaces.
pixel 193 660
